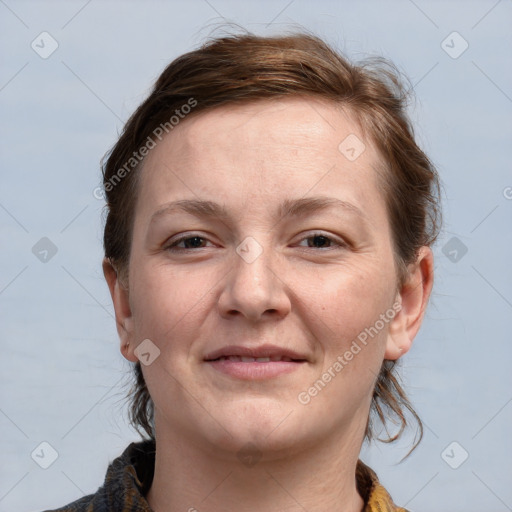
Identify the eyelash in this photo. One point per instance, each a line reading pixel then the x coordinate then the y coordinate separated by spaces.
pixel 173 246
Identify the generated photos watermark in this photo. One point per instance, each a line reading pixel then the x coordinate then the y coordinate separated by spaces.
pixel 305 397
pixel 150 143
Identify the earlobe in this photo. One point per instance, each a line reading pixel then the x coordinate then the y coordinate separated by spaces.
pixel 398 344
pixel 414 297
pixel 123 313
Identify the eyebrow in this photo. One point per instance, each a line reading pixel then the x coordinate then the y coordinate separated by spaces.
pixel 289 208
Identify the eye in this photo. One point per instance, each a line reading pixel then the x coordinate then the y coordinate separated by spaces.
pixel 187 243
pixel 321 241
pixel 313 241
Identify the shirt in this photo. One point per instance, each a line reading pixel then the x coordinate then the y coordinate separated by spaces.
pixel 129 478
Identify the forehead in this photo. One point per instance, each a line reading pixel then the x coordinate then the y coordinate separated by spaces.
pixel 265 149
pixel 296 123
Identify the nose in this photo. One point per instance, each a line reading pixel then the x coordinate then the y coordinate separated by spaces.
pixel 252 288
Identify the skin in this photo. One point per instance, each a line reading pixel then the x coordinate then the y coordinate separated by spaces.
pixel 310 294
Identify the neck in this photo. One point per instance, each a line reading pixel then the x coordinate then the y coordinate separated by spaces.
pixel 320 478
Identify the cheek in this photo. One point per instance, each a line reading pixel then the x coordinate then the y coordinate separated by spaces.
pixel 167 300
pixel 344 314
pixel 347 300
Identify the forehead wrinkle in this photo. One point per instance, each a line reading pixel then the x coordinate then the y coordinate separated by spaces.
pixel 288 208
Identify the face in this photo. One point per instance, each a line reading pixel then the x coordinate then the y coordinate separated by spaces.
pixel 256 235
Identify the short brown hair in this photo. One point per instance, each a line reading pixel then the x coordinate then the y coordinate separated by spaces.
pixel 240 68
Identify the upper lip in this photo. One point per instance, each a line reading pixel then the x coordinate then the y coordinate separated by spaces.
pixel 261 351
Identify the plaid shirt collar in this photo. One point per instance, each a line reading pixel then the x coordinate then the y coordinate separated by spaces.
pixel 129 478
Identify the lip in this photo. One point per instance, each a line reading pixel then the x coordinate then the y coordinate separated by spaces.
pixel 255 370
pixel 261 351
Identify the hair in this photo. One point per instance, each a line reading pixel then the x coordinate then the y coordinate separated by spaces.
pixel 242 68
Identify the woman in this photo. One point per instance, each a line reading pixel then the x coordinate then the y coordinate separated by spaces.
pixel 267 249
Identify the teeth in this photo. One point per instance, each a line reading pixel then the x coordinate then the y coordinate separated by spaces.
pixel 279 358
pixel 247 359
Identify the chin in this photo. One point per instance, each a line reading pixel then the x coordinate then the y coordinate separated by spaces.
pixel 264 424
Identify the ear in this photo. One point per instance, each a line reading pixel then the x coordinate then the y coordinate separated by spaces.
pixel 124 320
pixel 413 298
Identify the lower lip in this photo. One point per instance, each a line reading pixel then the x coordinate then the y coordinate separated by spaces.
pixel 255 370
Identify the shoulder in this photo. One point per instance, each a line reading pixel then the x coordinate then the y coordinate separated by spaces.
pixel 126 482
pixel 375 496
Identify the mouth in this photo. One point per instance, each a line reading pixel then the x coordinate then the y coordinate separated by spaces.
pixel 264 362
pixel 263 353
pixel 248 359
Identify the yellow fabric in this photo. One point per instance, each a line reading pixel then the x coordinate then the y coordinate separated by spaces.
pixel 380 501
pixel 376 498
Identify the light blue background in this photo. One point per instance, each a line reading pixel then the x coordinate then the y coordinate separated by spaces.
pixel 62 374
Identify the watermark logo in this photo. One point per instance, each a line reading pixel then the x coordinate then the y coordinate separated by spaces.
pixel 44 45
pixel 44 455
pixel 249 455
pixel 99 193
pixel 351 147
pixel 44 250
pixel 454 249
pixel 147 352
pixel 249 250
pixel 454 455
pixel 454 45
